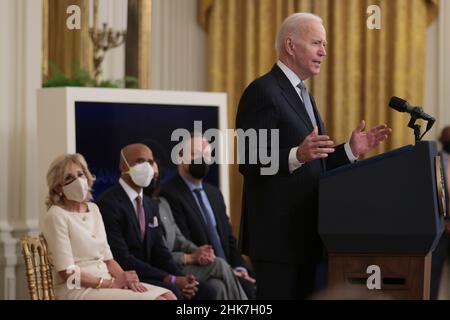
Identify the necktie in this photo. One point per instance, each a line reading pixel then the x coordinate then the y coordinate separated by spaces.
pixel 307 102
pixel 215 241
pixel 141 216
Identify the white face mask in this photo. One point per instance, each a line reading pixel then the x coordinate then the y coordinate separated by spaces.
pixel 77 190
pixel 141 173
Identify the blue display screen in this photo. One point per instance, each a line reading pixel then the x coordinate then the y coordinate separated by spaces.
pixel 102 129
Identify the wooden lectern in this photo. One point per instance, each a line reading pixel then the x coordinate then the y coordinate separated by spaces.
pixel 386 211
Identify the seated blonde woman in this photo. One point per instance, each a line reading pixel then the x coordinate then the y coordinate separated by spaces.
pixel 76 239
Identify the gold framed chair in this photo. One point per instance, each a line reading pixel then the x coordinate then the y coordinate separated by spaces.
pixel 39 268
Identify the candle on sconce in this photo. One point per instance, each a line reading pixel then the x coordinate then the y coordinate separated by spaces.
pixel 91 13
pixel 104 38
pixel 110 18
pixel 95 15
pixel 124 14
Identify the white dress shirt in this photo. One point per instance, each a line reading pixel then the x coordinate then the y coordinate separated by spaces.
pixel 131 194
pixel 294 164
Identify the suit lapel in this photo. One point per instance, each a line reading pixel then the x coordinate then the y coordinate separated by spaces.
pixel 215 208
pixel 321 128
pixel 292 97
pixel 148 208
pixel 297 104
pixel 320 125
pixel 128 207
pixel 189 198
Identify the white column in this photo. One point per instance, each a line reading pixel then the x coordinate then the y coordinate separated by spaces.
pixel 443 103
pixel 437 70
pixel 178 53
pixel 7 78
pixel 444 64
pixel 431 105
pixel 20 77
pixel 114 63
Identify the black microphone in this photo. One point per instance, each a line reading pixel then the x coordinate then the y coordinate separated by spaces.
pixel 403 106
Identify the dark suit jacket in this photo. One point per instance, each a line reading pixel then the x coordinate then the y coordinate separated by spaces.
pixel 444 170
pixel 279 212
pixel 151 259
pixel 191 222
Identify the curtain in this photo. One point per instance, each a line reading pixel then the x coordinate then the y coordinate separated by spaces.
pixel 137 46
pixel 363 69
pixel 62 46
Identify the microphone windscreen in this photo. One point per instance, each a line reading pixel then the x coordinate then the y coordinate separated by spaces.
pixel 398 104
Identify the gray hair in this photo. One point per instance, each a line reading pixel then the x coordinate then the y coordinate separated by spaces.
pixel 293 25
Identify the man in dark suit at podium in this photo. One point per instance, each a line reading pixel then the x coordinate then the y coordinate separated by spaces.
pixel 279 217
pixel 441 251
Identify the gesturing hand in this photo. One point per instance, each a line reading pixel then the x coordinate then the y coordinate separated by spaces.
pixel 314 147
pixel 362 141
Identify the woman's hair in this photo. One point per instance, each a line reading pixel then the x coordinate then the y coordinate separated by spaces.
pixel 55 177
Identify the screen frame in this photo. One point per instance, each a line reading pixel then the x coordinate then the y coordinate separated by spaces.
pixel 57 129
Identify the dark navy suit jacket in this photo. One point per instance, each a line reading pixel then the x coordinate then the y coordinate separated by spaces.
pixel 279 212
pixel 191 222
pixel 149 258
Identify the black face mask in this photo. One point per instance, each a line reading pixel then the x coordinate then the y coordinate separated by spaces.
pixel 446 146
pixel 199 170
pixel 153 188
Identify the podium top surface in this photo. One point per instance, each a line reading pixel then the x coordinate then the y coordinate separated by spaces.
pixel 369 161
pixel 385 204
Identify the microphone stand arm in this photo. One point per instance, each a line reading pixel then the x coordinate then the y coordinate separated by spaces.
pixel 412 124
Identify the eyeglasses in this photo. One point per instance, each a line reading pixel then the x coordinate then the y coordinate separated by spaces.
pixel 69 178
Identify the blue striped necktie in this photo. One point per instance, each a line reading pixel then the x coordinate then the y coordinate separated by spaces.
pixel 213 235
